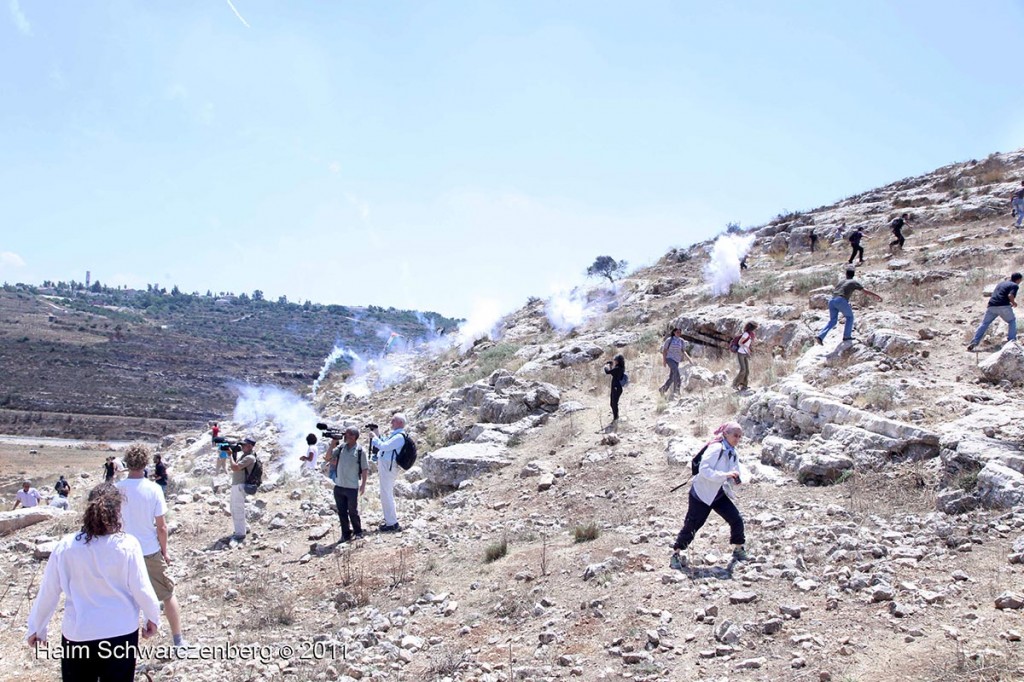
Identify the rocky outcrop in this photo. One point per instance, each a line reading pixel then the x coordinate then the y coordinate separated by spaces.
pixel 500 407
pixel 450 466
pixel 819 437
pixel 11 521
pixel 720 323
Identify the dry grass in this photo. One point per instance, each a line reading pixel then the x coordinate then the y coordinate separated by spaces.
pixel 586 532
pixel 496 550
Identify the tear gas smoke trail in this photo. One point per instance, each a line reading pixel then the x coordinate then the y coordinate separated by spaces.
pixel 723 270
pixel 337 353
pixel 566 311
pixel 293 417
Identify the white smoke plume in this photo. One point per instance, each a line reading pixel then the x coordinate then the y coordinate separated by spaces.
pixel 292 416
pixel 484 322
pixel 724 268
pixel 567 310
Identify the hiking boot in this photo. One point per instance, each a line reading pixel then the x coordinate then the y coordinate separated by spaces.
pixel 346 537
pixel 740 554
pixel 971 346
pixel 817 340
pixel 677 562
pixel 394 528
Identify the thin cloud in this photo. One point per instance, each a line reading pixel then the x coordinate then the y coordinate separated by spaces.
pixel 11 260
pixel 237 14
pixel 21 21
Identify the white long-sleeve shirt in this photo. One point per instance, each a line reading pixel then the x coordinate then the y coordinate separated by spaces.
pixel 388 447
pixel 715 465
pixel 105 585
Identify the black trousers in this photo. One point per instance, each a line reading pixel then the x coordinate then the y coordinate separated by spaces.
pixel 87 662
pixel 697 514
pixel 616 394
pixel 347 502
pixel 898 241
pixel 857 249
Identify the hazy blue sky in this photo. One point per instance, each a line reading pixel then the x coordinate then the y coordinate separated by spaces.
pixel 433 154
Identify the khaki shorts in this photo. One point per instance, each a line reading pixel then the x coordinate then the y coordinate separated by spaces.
pixel 162 583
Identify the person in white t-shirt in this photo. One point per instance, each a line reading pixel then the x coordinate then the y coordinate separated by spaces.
pixel 309 459
pixel 101 572
pixel 27 496
pixel 143 511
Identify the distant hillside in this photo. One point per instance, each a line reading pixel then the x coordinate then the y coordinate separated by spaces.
pixel 107 363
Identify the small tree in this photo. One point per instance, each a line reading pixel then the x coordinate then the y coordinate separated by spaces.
pixel 606 266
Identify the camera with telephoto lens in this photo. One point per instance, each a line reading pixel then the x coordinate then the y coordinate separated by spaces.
pixel 370 427
pixel 330 432
pixel 227 445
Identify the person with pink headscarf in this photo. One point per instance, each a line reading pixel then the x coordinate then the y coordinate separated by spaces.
pixel 712 490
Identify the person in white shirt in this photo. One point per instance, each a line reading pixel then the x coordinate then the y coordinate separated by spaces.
pixel 27 496
pixel 746 342
pixel 388 470
pixel 309 459
pixel 101 572
pixel 143 512
pixel 119 469
pixel 711 490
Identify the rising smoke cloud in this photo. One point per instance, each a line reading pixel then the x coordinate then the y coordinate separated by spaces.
pixel 566 310
pixel 723 270
pixel 483 322
pixel 292 416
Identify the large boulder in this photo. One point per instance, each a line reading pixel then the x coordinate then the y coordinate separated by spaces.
pixel 11 521
pixel 999 486
pixel 1006 364
pixel 893 343
pixel 450 466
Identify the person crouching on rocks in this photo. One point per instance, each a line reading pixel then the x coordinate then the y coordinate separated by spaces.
pixel 711 490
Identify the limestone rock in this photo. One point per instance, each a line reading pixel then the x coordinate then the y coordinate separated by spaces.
pixel 1006 364
pixel 11 521
pixel 999 486
pixel 451 465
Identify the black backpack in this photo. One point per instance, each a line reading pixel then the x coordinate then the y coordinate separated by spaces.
pixel 695 462
pixel 406 457
pixel 254 476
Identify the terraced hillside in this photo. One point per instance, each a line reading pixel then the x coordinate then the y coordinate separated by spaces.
pixel 137 365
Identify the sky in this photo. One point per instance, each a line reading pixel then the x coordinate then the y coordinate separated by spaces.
pixel 447 155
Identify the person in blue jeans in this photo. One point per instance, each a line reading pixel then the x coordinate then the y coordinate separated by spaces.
pixel 1001 304
pixel 840 303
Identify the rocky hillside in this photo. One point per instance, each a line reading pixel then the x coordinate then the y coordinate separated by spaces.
pixel 125 364
pixel 884 514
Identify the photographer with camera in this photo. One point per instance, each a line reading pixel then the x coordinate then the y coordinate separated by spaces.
pixel 349 463
pixel 388 449
pixel 242 458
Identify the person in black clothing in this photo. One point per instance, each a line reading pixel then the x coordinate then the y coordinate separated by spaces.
pixel 62 487
pixel 616 367
pixel 897 230
pixel 160 475
pixel 858 250
pixel 814 240
pixel 1001 305
pixel 108 470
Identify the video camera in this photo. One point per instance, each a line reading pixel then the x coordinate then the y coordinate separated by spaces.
pixel 227 445
pixel 331 432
